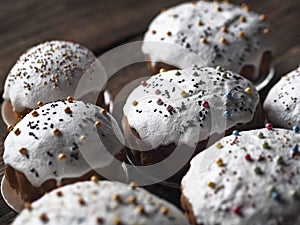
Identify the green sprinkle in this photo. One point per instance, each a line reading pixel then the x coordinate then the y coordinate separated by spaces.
pixel 260 135
pixel 219 68
pixel 265 145
pixel 196 74
pixel 224 75
pixel 257 170
pixel 177 73
pixel 280 160
pixel 294 194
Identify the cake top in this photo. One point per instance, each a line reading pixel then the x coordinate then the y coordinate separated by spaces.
pixel 47 72
pixel 63 139
pixel 247 178
pixel 104 202
pixel 283 101
pixel 219 33
pixel 189 105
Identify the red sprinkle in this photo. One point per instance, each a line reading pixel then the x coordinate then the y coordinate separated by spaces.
pixel 157 92
pixel 144 83
pixel 169 108
pixel 204 104
pixel 269 126
pixel 159 102
pixel 248 157
pixel 236 209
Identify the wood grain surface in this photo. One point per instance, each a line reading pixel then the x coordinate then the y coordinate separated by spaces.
pixel 102 25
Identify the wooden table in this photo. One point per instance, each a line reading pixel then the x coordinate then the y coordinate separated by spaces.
pixel 102 25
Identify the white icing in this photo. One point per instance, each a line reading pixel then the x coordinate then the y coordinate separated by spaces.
pixel 283 101
pixel 242 187
pixel 156 126
pixel 182 21
pixel 99 203
pixel 47 72
pixel 43 148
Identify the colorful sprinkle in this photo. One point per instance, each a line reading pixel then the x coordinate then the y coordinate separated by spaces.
pixel 40 104
pixel 257 170
pixel 269 126
pixel 134 103
pixel 223 29
pixel 97 124
pixel 219 145
pixel 163 210
pixel 159 102
pixel 263 17
pixel 241 34
pixel 224 75
pixel 70 99
pixel 279 160
pixel 157 92
pixel 23 151
pixel 177 73
pixel 219 68
pixel 260 135
pixel 162 70
pixel 236 209
pixel 265 145
pixel 67 109
pixel 34 113
pixel 235 132
pixel 144 83
pixel 211 184
pixel 266 31
pixel 169 108
pixel 17 131
pixel 56 131
pixel 183 94
pixel 219 162
pixel 203 40
pixel 248 157
pixel 228 95
pixel 205 104
pixel 226 113
pixel 296 129
pixel 248 90
pixel 62 157
pixel 10 127
pixel 275 195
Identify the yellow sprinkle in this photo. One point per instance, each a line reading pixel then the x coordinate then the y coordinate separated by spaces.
pixel 56 131
pixel 219 162
pixel 223 40
pixel 219 145
pixel 183 94
pixel 223 29
pixel 116 197
pixel 211 184
pixel 10 127
pixel 134 103
pixel 218 8
pixel 163 210
pixel 132 199
pixel 27 205
pixel 62 157
pixel 133 185
pixel 248 90
pixel 23 151
pixel 34 113
pixel 97 124
pixel 40 104
pixel 70 99
pixel 200 23
pixel 245 7
pixel 162 70
pixel 266 31
pixel 140 208
pixel 103 111
pixel 82 138
pixel 242 19
pixel 241 34
pixel 17 131
pixel 203 40
pixel 94 178
pixel 263 17
pixel 67 109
